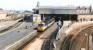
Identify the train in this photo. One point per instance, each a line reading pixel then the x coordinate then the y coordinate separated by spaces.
pixel 43 22
pixel 36 18
pixel 44 25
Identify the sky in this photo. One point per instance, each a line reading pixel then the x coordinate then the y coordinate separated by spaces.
pixel 30 4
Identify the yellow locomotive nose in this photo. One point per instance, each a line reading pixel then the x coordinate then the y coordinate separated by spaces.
pixel 41 26
pixel 40 29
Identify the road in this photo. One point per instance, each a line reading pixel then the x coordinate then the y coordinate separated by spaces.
pixel 15 35
pixel 81 41
pixel 78 38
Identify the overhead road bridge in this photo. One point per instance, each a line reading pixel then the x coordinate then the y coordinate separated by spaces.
pixel 66 13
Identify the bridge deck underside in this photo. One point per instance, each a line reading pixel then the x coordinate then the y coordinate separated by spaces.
pixel 72 17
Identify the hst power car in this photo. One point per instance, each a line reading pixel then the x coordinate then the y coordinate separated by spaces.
pixel 44 25
pixel 42 21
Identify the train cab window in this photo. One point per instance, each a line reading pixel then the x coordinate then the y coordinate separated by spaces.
pixel 40 24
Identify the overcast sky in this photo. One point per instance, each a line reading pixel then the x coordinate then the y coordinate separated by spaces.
pixel 29 4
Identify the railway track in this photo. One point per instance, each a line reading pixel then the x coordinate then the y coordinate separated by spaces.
pixel 11 27
pixel 37 42
pixel 48 43
pixel 31 40
pixel 66 43
pixel 80 42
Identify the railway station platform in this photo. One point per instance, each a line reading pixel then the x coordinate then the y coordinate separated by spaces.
pixel 61 34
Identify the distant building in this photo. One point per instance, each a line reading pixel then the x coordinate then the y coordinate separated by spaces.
pixel 8 15
pixel 85 17
pixel 3 14
pixel 83 10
